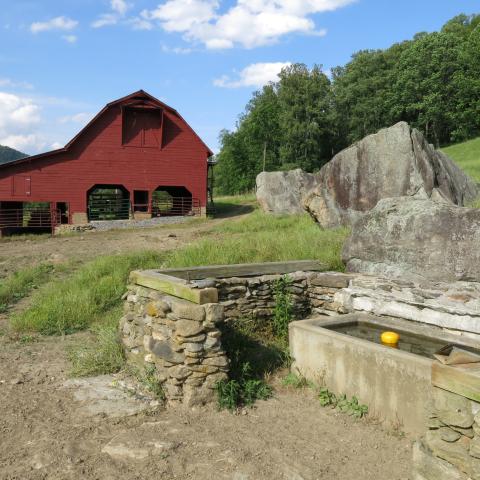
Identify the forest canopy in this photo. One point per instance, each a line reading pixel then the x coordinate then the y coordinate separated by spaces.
pixel 303 119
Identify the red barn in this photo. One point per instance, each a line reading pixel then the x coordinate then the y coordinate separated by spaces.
pixel 136 159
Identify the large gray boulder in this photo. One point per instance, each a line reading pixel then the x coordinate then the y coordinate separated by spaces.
pixel 423 239
pixel 283 192
pixel 394 162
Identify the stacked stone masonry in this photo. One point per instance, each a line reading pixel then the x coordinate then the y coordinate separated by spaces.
pixel 310 292
pixel 451 447
pixel 180 339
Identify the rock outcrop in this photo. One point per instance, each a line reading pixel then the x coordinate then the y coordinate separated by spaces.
pixel 418 238
pixel 283 192
pixel 394 162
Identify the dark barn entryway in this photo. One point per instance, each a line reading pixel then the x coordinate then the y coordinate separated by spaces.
pixel 171 201
pixel 108 202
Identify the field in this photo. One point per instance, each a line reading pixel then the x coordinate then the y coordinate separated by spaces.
pixel 60 301
pixel 467 156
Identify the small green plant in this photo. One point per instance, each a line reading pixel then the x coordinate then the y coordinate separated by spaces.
pixel 295 381
pixel 28 339
pixel 228 394
pixel 349 406
pixel 245 390
pixel 151 382
pixel 327 398
pixel 283 307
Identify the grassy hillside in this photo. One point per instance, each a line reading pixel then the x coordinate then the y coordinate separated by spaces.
pixel 8 154
pixel 467 156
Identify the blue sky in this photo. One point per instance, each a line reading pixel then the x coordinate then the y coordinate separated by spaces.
pixel 62 61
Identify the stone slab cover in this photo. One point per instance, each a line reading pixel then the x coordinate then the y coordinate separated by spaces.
pixel 394 162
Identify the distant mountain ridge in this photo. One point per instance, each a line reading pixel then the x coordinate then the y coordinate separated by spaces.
pixel 8 154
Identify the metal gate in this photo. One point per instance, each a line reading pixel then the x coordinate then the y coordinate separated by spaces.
pixel 27 218
pixel 108 207
pixel 175 206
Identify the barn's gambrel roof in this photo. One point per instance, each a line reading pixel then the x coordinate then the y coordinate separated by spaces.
pixel 124 100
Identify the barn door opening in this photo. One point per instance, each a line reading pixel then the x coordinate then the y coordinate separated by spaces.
pixel 140 200
pixel 174 201
pixel 108 202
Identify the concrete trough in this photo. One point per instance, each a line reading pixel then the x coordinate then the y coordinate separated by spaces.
pixel 395 384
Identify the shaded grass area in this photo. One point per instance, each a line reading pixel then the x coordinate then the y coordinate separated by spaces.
pixel 255 352
pixel 22 282
pixel 467 156
pixel 264 238
pixel 75 303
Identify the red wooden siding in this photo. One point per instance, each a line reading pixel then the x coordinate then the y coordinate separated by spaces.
pixel 145 149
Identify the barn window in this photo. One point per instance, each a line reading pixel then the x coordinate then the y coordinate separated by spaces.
pixel 142 127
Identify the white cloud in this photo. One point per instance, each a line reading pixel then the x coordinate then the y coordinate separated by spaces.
pixel 182 15
pixel 105 20
pixel 24 143
pixel 119 6
pixel 70 38
pixel 119 9
pixel 255 75
pixel 18 117
pixel 57 23
pixel 176 50
pixel 139 23
pixel 7 82
pixel 81 118
pixel 249 23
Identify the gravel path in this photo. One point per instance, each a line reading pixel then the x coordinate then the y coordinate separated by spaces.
pixel 103 226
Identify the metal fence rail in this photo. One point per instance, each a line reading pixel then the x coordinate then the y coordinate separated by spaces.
pixel 29 218
pixel 102 207
pixel 176 206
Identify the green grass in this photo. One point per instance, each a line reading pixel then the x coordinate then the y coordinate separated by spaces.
pixel 20 283
pixel 260 237
pixel 72 304
pixel 104 353
pixel 467 156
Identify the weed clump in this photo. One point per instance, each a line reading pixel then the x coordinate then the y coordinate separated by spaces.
pixel 254 353
pixel 349 406
pixel 103 354
pixel 282 315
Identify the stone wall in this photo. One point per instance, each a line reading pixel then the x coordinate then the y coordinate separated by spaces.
pixel 310 292
pixel 179 338
pixel 451 447
pixel 454 306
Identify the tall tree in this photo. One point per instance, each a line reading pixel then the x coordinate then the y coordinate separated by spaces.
pixel 305 117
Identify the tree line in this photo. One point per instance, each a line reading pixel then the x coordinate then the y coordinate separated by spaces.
pixel 303 119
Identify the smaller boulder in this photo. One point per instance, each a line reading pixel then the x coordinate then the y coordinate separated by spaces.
pixel 283 192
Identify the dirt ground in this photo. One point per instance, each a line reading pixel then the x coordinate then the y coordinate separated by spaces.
pixel 48 432
pixel 45 433
pixel 19 253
